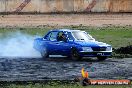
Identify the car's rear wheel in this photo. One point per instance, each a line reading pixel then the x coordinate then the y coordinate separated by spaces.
pixel 101 58
pixel 75 55
pixel 44 53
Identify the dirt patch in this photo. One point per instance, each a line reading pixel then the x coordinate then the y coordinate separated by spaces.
pixel 124 50
pixel 97 19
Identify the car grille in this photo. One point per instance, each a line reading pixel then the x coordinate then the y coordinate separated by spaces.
pixel 99 48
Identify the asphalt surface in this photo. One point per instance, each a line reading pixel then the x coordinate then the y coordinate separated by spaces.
pixel 30 69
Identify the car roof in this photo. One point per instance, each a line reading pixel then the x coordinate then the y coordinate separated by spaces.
pixel 65 30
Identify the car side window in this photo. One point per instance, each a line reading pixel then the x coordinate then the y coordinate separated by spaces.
pixel 52 36
pixel 70 37
pixel 61 37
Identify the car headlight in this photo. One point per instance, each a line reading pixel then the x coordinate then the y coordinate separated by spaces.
pixel 88 49
pixel 109 48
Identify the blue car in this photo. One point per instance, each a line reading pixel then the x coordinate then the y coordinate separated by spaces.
pixel 74 44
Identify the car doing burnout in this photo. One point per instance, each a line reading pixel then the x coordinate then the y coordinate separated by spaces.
pixel 72 43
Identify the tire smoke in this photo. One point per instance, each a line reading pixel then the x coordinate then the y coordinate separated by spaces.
pixel 17 45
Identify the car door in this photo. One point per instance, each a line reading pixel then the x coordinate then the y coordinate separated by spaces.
pixel 52 41
pixel 62 47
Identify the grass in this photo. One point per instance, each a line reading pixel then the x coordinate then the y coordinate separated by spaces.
pixel 66 86
pixel 116 36
pixel 39 86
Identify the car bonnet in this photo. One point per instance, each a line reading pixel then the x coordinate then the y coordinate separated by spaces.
pixel 91 44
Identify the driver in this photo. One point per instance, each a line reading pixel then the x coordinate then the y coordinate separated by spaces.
pixel 61 37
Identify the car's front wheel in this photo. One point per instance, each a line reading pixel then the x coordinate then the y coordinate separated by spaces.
pixel 44 53
pixel 101 58
pixel 75 55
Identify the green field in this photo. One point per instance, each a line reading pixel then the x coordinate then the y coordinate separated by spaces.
pixel 116 36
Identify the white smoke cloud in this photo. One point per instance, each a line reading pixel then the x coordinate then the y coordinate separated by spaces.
pixel 17 45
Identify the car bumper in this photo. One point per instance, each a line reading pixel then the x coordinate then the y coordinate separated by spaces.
pixel 95 54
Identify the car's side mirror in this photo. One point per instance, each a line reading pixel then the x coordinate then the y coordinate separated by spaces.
pixel 68 40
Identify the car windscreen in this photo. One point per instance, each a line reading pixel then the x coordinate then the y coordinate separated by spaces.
pixel 80 35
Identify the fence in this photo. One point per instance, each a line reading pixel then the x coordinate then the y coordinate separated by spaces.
pixel 46 6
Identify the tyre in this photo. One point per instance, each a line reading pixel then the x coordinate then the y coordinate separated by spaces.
pixel 75 55
pixel 85 82
pixel 101 58
pixel 44 53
